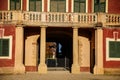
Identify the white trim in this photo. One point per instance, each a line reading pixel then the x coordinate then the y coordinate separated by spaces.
pixel 106 8
pixel 8 4
pixel 10 48
pixel 72 5
pixel 20 3
pixel 49 6
pixel 107 50
pixel 85 4
pixel 27 6
pixel 67 5
pixel 42 5
pixel 92 6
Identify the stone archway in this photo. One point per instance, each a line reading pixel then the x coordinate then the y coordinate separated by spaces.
pixel 63 59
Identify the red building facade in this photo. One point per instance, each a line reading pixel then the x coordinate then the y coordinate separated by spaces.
pixel 102 14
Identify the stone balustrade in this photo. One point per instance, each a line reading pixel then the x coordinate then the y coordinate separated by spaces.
pixel 52 18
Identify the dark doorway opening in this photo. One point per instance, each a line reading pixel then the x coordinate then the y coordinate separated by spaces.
pixel 59 48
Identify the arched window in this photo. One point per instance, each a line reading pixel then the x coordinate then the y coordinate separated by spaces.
pixel 80 6
pixel 57 5
pixel 99 5
pixel 35 5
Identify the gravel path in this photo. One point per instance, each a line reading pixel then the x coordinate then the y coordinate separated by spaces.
pixel 59 76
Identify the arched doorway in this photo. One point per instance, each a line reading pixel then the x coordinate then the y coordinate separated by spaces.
pixel 59 48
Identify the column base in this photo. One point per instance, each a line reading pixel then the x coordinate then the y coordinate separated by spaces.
pixel 98 70
pixel 19 69
pixel 75 69
pixel 42 69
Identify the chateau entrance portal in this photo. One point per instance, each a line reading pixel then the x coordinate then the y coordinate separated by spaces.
pixel 59 48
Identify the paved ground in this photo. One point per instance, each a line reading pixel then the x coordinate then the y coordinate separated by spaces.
pixel 59 76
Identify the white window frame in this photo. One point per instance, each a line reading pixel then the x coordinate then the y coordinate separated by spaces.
pixel 106 8
pixel 27 6
pixel 73 6
pixel 9 4
pixel 10 47
pixel 49 6
pixel 107 50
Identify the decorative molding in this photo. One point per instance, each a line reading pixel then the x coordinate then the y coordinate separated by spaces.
pixel 10 48
pixel 107 50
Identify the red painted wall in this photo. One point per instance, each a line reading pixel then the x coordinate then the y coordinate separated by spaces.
pixel 3 4
pixel 45 5
pixel 9 30
pixel 89 6
pixel 114 6
pixel 69 5
pixel 108 33
pixel 24 5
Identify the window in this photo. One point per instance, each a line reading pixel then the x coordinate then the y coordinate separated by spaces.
pixel 80 6
pixel 5 47
pixel 99 5
pixel 57 5
pixel 35 5
pixel 112 49
pixel 15 4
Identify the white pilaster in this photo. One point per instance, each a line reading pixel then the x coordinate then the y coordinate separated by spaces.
pixel 75 65
pixel 98 69
pixel 42 66
pixel 19 67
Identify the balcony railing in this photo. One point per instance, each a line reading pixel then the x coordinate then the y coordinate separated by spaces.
pixel 53 18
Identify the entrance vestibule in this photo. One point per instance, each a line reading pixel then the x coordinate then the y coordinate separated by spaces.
pixel 59 48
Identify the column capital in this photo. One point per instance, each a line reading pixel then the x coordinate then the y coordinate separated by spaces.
pixel 43 26
pixel 19 25
pixel 75 27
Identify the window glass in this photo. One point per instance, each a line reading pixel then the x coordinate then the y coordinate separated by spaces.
pixel 15 4
pixel 99 5
pixel 114 49
pixel 79 6
pixel 35 5
pixel 4 47
pixel 57 5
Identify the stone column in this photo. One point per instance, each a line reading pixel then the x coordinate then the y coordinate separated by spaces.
pixel 19 67
pixel 42 66
pixel 98 69
pixel 75 65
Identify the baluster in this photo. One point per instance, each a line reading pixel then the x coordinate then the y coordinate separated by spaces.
pixel 119 19
pixel 2 16
pixel 78 18
pixel 55 17
pixel 5 16
pixel 86 19
pixel 60 17
pixel 50 17
pixel 90 19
